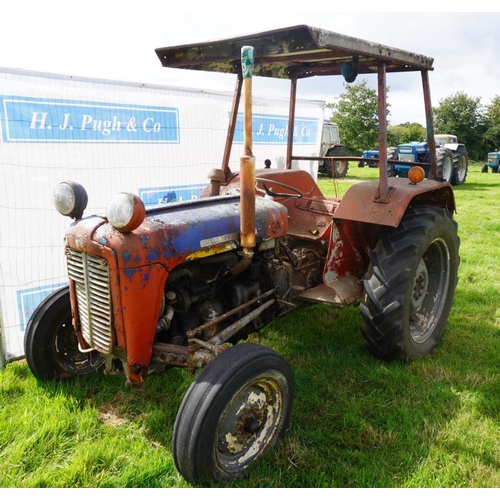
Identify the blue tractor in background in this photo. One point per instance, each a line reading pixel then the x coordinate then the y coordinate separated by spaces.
pixel 452 159
pixel 372 154
pixel 493 162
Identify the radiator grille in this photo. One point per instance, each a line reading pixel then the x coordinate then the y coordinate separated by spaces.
pixel 91 277
pixel 406 157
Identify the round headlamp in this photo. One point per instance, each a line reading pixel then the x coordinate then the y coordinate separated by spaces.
pixel 126 212
pixel 70 199
pixel 416 174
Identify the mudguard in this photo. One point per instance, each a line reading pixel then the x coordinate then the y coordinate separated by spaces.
pixel 361 202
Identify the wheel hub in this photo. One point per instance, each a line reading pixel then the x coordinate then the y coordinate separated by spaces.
pixel 244 422
pixel 420 285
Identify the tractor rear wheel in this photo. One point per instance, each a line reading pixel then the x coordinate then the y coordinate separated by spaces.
pixel 410 284
pixel 336 169
pixel 392 154
pixel 460 166
pixel 444 158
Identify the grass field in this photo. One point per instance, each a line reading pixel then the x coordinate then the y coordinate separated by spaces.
pixel 357 422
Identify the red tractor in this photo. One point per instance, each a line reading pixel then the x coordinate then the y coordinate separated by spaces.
pixel 184 283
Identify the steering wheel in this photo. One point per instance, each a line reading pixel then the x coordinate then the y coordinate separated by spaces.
pixel 272 193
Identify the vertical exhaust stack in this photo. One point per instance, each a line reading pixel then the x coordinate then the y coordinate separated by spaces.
pixel 247 162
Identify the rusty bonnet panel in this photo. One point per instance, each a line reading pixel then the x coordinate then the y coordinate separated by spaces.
pixel 295 52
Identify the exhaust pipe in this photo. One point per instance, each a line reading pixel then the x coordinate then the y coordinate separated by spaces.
pixel 247 167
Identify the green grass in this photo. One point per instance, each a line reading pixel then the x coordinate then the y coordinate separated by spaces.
pixel 357 422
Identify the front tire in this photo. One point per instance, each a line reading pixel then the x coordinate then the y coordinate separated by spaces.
pixel 337 169
pixel 235 410
pixel 50 342
pixel 410 284
pixel 460 166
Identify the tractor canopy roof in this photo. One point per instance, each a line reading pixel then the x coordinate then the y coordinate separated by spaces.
pixel 295 52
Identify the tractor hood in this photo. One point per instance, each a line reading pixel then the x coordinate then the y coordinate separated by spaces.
pixel 177 232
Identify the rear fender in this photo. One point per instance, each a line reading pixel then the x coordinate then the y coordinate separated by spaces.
pixel 453 147
pixel 361 202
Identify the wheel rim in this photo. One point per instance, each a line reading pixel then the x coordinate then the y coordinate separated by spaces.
pixel 429 290
pixel 249 424
pixel 66 352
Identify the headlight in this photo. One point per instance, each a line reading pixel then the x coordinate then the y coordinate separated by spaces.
pixel 70 199
pixel 126 212
pixel 416 174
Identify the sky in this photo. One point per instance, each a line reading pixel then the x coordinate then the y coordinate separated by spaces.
pixel 115 40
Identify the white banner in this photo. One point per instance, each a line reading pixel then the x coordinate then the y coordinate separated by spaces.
pixel 159 142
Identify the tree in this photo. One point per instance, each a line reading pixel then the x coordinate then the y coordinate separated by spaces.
pixel 405 132
pixel 492 134
pixel 464 117
pixel 356 114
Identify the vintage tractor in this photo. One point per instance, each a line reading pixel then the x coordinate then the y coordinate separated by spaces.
pixel 370 157
pixel 183 284
pixel 452 158
pixel 419 152
pixel 493 163
pixel 331 147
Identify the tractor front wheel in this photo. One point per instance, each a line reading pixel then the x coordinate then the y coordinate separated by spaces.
pixel 51 345
pixel 410 284
pixel 235 410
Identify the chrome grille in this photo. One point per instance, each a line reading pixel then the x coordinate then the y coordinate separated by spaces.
pixel 406 157
pixel 91 277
